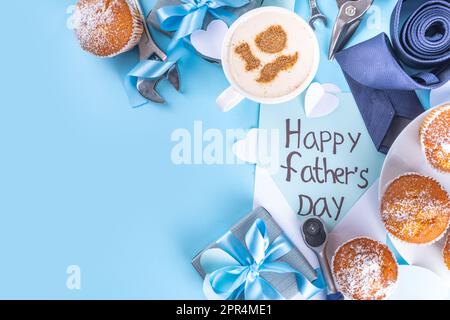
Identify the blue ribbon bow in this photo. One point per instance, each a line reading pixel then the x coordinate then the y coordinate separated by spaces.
pixel 184 19
pixel 187 17
pixel 234 271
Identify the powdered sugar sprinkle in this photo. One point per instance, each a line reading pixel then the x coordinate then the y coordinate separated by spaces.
pixel 360 275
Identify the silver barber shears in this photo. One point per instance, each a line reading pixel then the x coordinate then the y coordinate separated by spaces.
pixel 349 17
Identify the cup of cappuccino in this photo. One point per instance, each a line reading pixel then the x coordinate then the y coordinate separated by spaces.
pixel 269 55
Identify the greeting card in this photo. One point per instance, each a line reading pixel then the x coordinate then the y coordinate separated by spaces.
pixel 322 165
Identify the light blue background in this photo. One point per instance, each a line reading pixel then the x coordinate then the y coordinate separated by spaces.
pixel 86 180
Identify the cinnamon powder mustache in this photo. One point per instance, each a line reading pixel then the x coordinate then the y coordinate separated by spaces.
pixel 271 70
pixel 251 62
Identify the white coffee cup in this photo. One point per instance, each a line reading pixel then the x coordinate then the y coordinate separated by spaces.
pixel 234 94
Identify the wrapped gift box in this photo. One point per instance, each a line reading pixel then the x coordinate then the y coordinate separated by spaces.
pixel 284 283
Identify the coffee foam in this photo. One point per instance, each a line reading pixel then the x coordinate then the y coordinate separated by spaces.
pixel 299 39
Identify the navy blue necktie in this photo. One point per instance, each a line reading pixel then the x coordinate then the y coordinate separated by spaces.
pixel 374 69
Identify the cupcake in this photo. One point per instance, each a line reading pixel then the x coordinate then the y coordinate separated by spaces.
pixel 365 269
pixel 447 252
pixel 415 209
pixel 434 136
pixel 107 28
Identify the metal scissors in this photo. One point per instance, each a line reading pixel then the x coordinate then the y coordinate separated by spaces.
pixel 147 50
pixel 348 19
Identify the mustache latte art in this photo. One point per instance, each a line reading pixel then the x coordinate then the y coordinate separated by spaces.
pixel 270 71
pixel 272 40
pixel 269 55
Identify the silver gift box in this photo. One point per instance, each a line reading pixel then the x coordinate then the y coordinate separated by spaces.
pixel 286 283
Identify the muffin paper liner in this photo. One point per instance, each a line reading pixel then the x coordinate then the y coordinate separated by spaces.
pixel 423 127
pixel 443 250
pixel 138 29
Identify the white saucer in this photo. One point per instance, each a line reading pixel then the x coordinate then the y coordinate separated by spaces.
pixel 405 156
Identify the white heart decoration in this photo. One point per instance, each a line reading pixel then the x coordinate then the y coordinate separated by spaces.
pixel 321 99
pixel 247 148
pixel 209 42
pixel 260 147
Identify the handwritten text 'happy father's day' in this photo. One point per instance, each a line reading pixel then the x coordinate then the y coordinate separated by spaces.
pixel 325 143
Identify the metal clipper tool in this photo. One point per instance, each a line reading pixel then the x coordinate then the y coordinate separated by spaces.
pixel 349 17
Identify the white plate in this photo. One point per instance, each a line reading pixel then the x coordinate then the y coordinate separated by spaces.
pixel 416 283
pixel 405 156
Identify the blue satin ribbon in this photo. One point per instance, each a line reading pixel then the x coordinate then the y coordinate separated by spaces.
pixel 234 270
pixel 188 17
pixel 146 69
pixel 184 19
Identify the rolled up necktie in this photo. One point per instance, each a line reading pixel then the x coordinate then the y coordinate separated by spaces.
pixel 374 69
pixel 424 39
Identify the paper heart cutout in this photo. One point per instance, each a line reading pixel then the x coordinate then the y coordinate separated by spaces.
pixel 440 95
pixel 260 147
pixel 209 42
pixel 247 148
pixel 321 99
